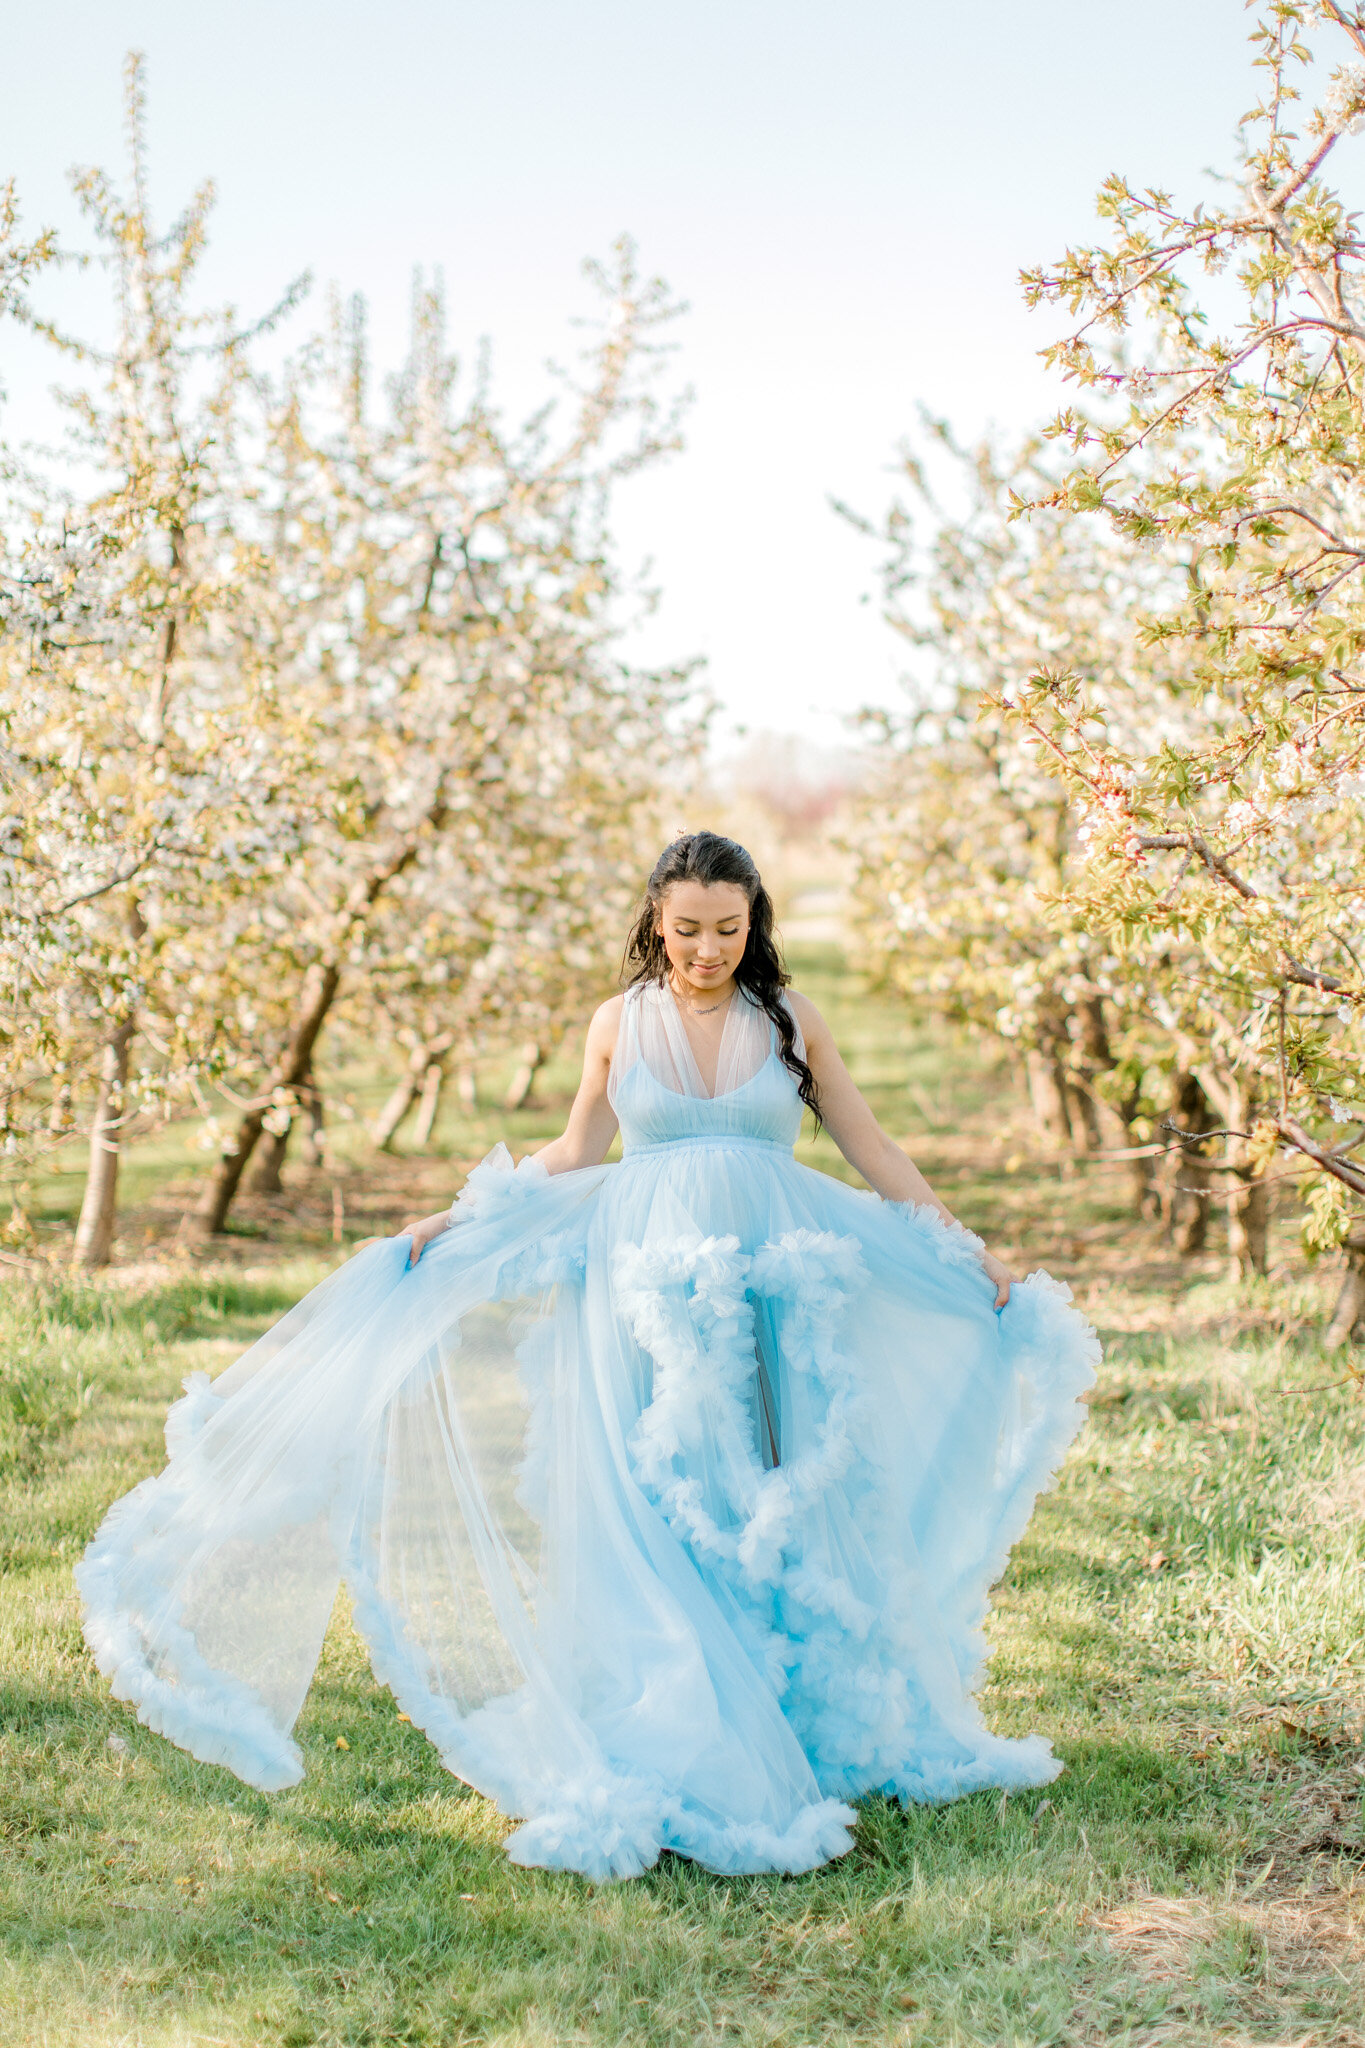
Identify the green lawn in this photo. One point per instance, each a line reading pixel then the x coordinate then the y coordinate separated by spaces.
pixel 1186 1619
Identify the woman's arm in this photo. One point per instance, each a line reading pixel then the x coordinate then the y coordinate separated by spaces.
pixel 587 1136
pixel 592 1120
pixel 861 1139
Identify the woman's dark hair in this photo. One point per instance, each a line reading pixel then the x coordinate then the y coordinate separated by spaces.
pixel 707 858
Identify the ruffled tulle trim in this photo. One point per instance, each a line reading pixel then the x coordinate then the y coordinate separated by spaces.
pixel 497 1187
pixel 686 1306
pixel 606 1834
pixel 603 1823
pixel 690 1305
pixel 950 1241
pixel 820 1832
pixel 815 1276
pixel 501 1194
pixel 186 1417
pixel 602 1827
pixel 995 1765
pixel 213 1715
pixel 845 1667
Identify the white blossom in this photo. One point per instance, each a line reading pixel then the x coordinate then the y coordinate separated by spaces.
pixel 1344 103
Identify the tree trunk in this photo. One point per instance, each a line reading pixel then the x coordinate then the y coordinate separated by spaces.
pixel 1107 1123
pixel 1047 1091
pixel 431 1097
pixel 270 1157
pixel 1142 1174
pixel 61 1115
pixel 1348 1317
pixel 312 1127
pixel 524 1080
pixel 1088 1114
pixel 99 1204
pixel 1083 1115
pixel 320 985
pixel 386 1124
pixel 467 1086
pixel 1094 1032
pixel 305 1117
pixel 1248 1227
pixel 1247 1198
pixel 319 990
pixel 1191 1111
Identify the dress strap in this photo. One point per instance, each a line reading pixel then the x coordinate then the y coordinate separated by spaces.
pixel 798 1036
pixel 626 1050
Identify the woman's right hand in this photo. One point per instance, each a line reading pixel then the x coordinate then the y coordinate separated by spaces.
pixel 422 1230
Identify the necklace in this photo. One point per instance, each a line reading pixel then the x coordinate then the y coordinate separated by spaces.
pixel 695 1012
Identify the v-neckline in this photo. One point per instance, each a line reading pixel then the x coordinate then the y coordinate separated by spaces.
pixel 708 1094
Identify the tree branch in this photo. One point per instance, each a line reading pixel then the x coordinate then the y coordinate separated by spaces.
pixel 1294 1134
pixel 1195 842
pixel 115 882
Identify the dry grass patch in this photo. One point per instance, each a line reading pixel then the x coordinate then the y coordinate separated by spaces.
pixel 1284 1949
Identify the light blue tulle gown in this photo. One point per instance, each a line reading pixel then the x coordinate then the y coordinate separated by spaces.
pixel 668 1493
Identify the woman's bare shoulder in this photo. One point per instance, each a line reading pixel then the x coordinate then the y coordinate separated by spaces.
pixel 606 1019
pixel 806 1014
pixel 600 1043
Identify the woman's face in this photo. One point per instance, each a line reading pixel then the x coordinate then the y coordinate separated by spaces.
pixel 705 928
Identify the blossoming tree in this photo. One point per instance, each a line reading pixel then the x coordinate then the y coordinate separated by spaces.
pixel 133 754
pixel 312 708
pixel 966 839
pixel 439 637
pixel 1223 863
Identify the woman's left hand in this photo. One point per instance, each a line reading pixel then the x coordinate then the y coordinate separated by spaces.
pixel 996 1270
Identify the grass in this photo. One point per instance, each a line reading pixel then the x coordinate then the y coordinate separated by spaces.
pixel 1185 1619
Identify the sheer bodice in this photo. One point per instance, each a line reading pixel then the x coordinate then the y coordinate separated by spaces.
pixel 657 1090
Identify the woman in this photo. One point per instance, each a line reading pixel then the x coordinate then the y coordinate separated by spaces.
pixel 668 1493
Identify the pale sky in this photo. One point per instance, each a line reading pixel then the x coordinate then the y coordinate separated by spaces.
pixel 844 194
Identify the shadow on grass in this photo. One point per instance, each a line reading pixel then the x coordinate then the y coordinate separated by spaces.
pixel 384 1823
